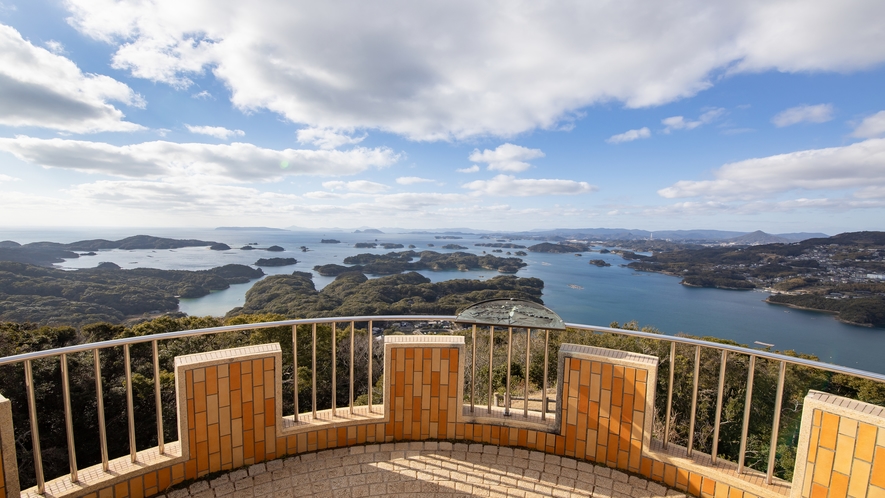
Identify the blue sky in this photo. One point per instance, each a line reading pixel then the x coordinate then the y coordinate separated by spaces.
pixel 491 115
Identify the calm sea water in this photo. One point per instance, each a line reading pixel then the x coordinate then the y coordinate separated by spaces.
pixel 578 291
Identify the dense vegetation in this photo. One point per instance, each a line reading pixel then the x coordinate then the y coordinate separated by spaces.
pixel 276 262
pixel 353 294
pixel 48 253
pixel 50 296
pixel 398 262
pixel 858 311
pixel 562 247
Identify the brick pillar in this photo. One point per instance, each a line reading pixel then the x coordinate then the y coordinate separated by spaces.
pixel 8 465
pixel 841 448
pixel 424 386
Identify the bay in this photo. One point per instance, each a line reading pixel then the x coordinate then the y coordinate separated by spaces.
pixel 578 291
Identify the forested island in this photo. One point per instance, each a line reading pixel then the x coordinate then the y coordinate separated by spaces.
pixel 562 247
pixel 398 262
pixel 276 262
pixel 48 253
pixel 843 274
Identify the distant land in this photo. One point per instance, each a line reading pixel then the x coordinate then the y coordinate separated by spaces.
pixel 253 229
pixel 48 253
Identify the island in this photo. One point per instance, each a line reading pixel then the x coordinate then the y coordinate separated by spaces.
pixel 598 262
pixel 390 245
pixel 399 262
pixel 219 246
pixel 275 249
pixel 247 248
pixel 368 230
pixel 499 244
pixel 49 253
pixel 365 245
pixel 330 241
pixel 276 262
pixel 561 248
pixel 454 246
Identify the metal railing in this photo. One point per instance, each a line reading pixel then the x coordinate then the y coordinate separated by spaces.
pixel 540 337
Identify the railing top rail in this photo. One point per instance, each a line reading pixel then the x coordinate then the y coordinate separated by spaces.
pixel 78 348
pixel 412 318
pixel 736 349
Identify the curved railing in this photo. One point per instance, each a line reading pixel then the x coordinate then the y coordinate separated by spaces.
pixel 473 397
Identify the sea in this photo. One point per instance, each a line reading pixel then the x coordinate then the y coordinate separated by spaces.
pixel 578 291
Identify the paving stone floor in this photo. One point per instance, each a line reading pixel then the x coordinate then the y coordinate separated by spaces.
pixel 420 468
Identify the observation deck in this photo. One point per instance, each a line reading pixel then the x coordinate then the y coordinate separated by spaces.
pixel 336 407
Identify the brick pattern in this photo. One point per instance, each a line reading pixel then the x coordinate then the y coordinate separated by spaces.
pixel 231 412
pixel 846 458
pixel 604 412
pixel 423 392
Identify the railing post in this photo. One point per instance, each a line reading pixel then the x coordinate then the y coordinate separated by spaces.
pixel 295 372
pixel 313 392
pixel 130 407
pixel 99 396
pixel 544 387
pixel 491 357
pixel 371 360
pixel 670 394
pixel 528 342
pixel 507 388
pixel 352 333
pixel 69 421
pixel 158 400
pixel 777 421
pixel 722 364
pixel 35 430
pixel 334 371
pixel 473 373
pixel 746 422
pixel 694 398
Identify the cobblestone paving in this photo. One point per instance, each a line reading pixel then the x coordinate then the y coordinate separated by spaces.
pixel 410 469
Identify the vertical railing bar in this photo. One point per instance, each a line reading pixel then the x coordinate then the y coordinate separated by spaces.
pixel 334 370
pixel 491 352
pixel 473 373
pixel 313 391
pixel 69 419
pixel 719 396
pixel 772 451
pixel 99 396
pixel 158 403
pixel 746 423
pixel 528 342
pixel 371 360
pixel 544 392
pixel 694 398
pixel 295 373
pixel 670 394
pixel 130 408
pixel 352 333
pixel 35 430
pixel 507 387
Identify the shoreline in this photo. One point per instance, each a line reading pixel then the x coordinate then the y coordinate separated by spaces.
pixel 828 312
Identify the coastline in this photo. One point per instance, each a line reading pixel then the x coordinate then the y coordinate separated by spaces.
pixel 828 312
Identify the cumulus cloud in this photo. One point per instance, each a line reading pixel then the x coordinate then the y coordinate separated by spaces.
pixel 471 169
pixel 7 178
pixel 872 126
pixel 55 47
pixel 218 132
pixel 454 69
pixel 507 157
pixel 326 138
pixel 630 135
pixel 42 89
pixel 853 166
pixel 411 180
pixel 820 113
pixel 236 162
pixel 506 185
pixel 680 123
pixel 360 186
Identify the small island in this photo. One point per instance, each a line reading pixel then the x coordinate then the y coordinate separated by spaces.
pixel 275 249
pixel 276 262
pixel 600 263
pixel 247 248
pixel 454 246
pixel 561 248
pixel 365 245
pixel 390 245
pixel 219 246
pixel 330 241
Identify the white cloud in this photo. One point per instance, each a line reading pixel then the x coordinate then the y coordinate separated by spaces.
pixel 820 113
pixel 360 186
pixel 871 127
pixel 204 95
pixel 630 135
pixel 7 178
pixel 471 169
pixel 55 47
pixel 236 162
pixel 411 180
pixel 507 157
pixel 506 185
pixel 454 69
pixel 42 89
pixel 852 166
pixel 218 132
pixel 680 123
pixel 326 138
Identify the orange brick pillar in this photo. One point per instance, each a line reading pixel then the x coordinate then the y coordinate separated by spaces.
pixel 8 465
pixel 228 407
pixel 424 386
pixel 841 449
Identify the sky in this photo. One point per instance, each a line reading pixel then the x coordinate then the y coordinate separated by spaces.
pixel 496 115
